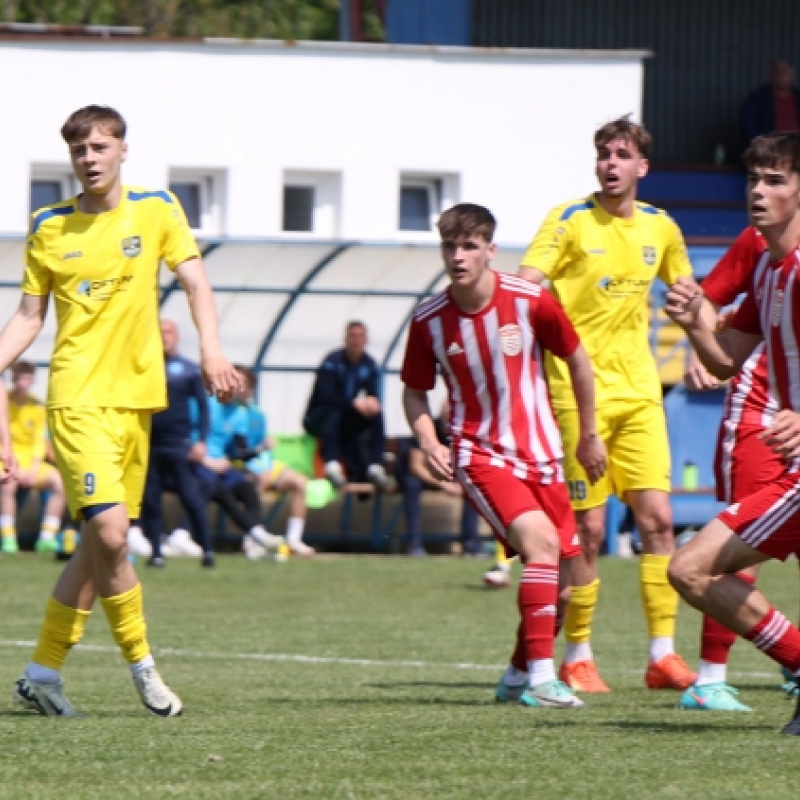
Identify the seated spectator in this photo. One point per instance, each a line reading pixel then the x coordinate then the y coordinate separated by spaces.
pixel 775 106
pixel 255 449
pixel 413 475
pixel 221 482
pixel 30 444
pixel 345 414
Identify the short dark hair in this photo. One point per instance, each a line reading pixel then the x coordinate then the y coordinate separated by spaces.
pixel 354 323
pixel 79 124
pixel 466 219
pixel 774 150
pixel 248 374
pixel 23 368
pixel 623 128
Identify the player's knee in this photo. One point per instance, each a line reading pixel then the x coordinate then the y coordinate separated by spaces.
pixel 685 575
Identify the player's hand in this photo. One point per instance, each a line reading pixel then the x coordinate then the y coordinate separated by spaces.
pixel 697 378
pixel 220 377
pixel 592 456
pixel 197 452
pixel 10 466
pixel 437 458
pixel 783 436
pixel 684 299
pixel 453 488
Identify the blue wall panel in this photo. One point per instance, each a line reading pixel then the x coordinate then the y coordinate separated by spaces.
pixel 445 22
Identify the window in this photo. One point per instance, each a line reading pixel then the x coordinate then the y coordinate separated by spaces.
pixel 50 185
pixel 201 194
pixel 422 198
pixel 298 208
pixel 311 202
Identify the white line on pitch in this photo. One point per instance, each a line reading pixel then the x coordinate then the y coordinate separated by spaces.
pixel 359 662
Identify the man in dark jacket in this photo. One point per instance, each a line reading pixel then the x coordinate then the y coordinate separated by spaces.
pixel 344 411
pixel 775 106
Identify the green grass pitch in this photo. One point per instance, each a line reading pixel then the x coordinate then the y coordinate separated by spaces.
pixel 364 678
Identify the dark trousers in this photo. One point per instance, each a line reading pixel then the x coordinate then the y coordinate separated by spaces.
pixel 347 436
pixel 412 488
pixel 234 494
pixel 171 471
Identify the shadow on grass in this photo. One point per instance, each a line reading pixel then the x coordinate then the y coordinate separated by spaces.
pixel 683 727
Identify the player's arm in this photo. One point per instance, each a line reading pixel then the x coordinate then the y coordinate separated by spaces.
pixel 22 328
pixel 696 377
pixel 723 356
pixel 591 452
pixel 10 467
pixel 420 419
pixel 219 374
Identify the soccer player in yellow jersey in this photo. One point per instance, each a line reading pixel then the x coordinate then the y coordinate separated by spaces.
pixel 99 255
pixel 601 254
pixel 29 440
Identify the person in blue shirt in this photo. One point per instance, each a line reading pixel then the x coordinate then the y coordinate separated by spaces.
pixel 255 449
pixel 173 455
pixel 344 413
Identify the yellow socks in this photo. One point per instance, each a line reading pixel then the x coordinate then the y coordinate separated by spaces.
pixel 580 611
pixel 500 557
pixel 62 629
pixel 659 599
pixel 125 614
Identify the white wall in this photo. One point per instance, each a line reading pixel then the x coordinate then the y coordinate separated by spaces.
pixel 515 126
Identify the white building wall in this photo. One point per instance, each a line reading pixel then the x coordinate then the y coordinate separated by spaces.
pixel 514 126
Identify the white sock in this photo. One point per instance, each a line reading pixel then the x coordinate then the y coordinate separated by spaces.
pixel 179 533
pixel 140 666
pixel 514 677
pixel 661 646
pixel 709 672
pixel 541 670
pixel 36 672
pixel 7 521
pixel 50 526
pixel 294 530
pixel 578 652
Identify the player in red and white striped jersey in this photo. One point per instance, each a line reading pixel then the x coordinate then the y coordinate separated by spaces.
pixel 485 333
pixel 743 463
pixel 765 524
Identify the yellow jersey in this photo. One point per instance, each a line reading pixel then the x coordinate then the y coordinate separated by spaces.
pixel 601 268
pixel 28 429
pixel 102 270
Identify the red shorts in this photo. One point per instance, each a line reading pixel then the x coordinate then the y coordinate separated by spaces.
pixel 769 520
pixel 500 497
pixel 743 464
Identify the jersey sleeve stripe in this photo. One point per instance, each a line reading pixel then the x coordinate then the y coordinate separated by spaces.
pixel 646 209
pixel 165 196
pixel 49 213
pixel 569 211
pixel 514 283
pixel 430 306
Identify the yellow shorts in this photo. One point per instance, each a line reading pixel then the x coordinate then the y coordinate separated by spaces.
pixel 635 436
pixel 102 455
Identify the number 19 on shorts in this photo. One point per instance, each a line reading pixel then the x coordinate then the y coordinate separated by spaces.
pixel 89 484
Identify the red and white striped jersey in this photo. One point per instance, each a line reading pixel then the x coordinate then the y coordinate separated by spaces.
pixel 748 401
pixel 772 309
pixel 500 409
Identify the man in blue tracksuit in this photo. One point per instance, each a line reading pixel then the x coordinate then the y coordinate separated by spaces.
pixel 344 413
pixel 173 455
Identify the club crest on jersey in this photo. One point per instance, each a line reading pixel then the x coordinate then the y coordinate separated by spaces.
pixel 511 339
pixel 132 246
pixel 649 255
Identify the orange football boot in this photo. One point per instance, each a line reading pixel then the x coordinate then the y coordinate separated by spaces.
pixel 670 672
pixel 582 676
